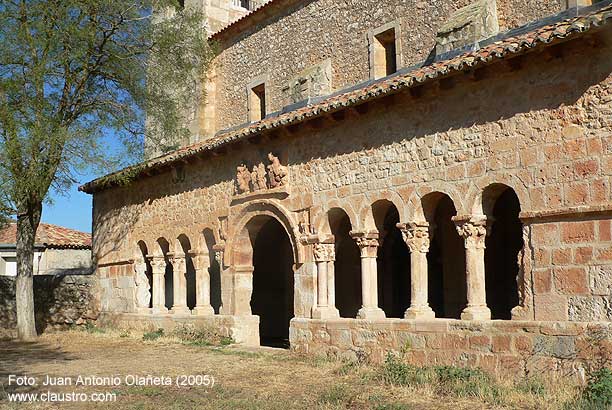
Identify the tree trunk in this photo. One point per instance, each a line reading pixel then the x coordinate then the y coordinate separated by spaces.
pixel 27 224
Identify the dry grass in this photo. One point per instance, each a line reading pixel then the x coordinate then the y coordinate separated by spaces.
pixel 262 379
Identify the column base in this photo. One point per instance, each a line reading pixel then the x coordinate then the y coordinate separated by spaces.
pixel 476 313
pixel 203 311
pixel 159 310
pixel 180 310
pixel 371 313
pixel 144 311
pixel 325 312
pixel 419 313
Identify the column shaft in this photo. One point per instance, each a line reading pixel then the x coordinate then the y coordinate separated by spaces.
pixel 368 244
pixel 416 236
pixel 201 264
pixel 179 283
pixel 158 266
pixel 474 233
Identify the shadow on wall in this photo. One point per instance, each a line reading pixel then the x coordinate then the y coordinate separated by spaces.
pixel 59 301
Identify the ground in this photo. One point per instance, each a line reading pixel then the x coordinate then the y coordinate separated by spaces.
pixel 261 378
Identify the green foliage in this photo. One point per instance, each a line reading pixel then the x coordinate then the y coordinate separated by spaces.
pixel 153 335
pixel 456 381
pixel 200 336
pixel 336 394
pixel 93 329
pixel 74 72
pixel 531 385
pixel 598 391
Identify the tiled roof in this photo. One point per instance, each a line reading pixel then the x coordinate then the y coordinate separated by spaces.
pixel 258 13
pixel 497 51
pixel 50 236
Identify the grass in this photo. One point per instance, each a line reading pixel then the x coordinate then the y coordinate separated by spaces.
pixel 253 379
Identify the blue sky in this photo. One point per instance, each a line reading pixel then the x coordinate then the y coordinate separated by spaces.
pixel 72 210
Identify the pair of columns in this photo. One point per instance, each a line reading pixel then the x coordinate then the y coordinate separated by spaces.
pixel 417 238
pixel 179 285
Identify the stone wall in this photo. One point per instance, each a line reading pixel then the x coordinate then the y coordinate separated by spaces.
pixel 548 138
pixel 506 348
pixel 59 301
pixel 308 33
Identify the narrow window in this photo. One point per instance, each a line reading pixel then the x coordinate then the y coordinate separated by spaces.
pixel 385 55
pixel 257 103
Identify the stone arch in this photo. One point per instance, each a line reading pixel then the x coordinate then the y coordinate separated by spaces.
pixel 490 184
pixel 322 221
pixel 424 194
pixel 238 252
pixel 380 201
pixel 447 287
pixel 503 247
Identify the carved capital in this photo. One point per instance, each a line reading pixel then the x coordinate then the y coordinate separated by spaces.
pixel 416 236
pixel 324 252
pixel 473 232
pixel 178 262
pixel 367 242
pixel 198 259
pixel 158 264
pixel 219 257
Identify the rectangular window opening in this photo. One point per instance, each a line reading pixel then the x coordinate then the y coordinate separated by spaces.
pixel 385 54
pixel 257 109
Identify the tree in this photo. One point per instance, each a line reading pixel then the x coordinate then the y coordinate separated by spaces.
pixel 73 72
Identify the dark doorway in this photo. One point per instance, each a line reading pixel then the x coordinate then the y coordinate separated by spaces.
pixel 272 298
pixel 393 267
pixel 214 271
pixel 347 266
pixel 190 278
pixel 446 261
pixel 501 255
pixel 169 286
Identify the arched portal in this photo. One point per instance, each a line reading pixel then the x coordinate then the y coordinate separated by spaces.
pixel 347 266
pixel 272 297
pixel 502 207
pixel 393 261
pixel 446 258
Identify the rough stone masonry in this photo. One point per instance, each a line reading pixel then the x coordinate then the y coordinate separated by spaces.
pixel 443 189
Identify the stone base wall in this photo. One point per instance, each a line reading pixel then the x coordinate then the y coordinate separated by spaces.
pixel 59 301
pixel 499 347
pixel 242 329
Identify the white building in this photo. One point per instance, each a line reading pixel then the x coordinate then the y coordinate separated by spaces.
pixel 58 251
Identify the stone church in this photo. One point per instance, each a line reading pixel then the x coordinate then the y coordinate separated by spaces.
pixel 364 177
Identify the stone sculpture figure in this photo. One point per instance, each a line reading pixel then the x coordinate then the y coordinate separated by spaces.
pixel 143 288
pixel 277 173
pixel 258 178
pixel 243 177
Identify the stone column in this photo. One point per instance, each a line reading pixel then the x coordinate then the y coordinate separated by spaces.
pixel 416 236
pixel 201 264
pixel 368 245
pixel 474 231
pixel 242 290
pixel 143 288
pixel 158 267
pixel 324 256
pixel 179 284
